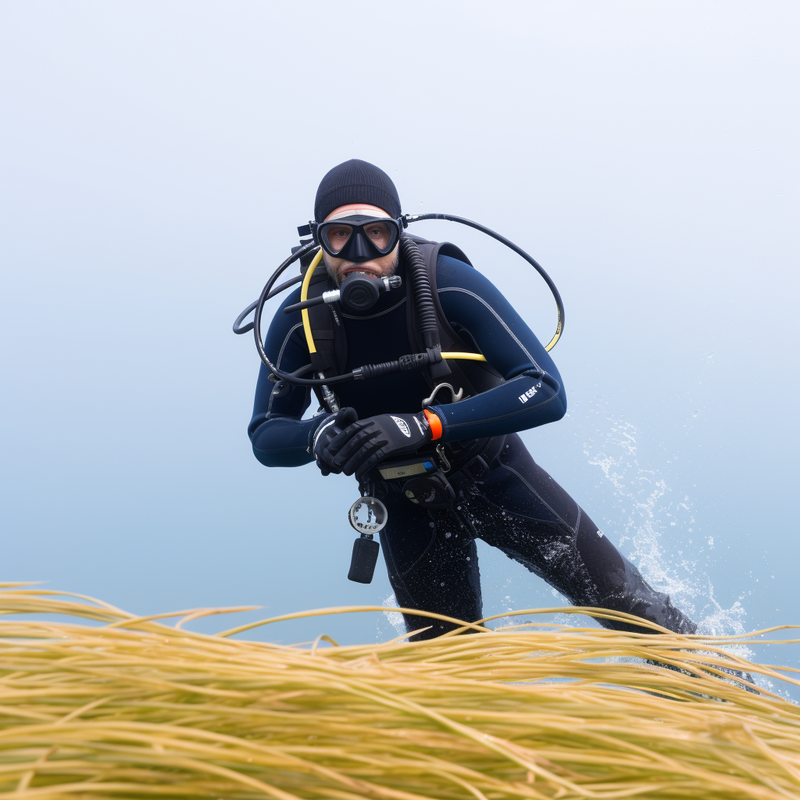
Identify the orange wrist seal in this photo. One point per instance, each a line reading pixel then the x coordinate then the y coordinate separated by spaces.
pixel 435 423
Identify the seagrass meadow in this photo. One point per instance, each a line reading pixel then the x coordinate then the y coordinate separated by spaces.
pixel 103 704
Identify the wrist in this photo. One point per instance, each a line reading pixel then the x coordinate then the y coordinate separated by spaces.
pixel 434 423
pixel 323 422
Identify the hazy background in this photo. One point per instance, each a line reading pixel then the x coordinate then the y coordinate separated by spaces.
pixel 156 158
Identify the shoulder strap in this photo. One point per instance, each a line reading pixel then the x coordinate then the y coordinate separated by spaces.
pixel 329 335
pixel 473 376
pixel 331 340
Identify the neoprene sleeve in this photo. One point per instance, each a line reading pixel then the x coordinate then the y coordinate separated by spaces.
pixel 532 395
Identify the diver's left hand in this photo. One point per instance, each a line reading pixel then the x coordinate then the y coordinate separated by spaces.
pixel 362 445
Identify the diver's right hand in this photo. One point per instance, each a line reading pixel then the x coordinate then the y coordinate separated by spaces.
pixel 326 432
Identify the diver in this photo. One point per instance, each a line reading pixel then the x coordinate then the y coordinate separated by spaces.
pixel 438 445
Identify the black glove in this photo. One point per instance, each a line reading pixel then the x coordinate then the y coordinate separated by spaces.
pixel 325 433
pixel 363 444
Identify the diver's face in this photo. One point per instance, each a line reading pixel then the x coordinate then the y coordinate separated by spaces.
pixel 340 268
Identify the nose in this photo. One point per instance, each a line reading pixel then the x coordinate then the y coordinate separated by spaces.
pixel 359 250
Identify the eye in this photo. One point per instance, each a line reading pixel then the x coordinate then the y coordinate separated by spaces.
pixel 337 236
pixel 379 233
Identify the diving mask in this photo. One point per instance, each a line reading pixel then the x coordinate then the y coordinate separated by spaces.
pixel 358 238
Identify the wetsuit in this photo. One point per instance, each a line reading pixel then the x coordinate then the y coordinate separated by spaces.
pixel 510 503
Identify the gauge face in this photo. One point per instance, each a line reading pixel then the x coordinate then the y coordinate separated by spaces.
pixel 368 515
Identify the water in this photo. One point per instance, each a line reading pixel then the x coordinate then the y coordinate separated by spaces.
pixel 655 522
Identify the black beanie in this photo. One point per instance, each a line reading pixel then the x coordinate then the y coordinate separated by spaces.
pixel 356 181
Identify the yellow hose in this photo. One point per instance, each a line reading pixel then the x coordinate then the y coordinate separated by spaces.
pixel 465 356
pixel 304 296
pixel 312 348
pixel 557 335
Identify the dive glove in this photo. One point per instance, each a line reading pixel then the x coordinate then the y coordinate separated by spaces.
pixel 329 429
pixel 363 444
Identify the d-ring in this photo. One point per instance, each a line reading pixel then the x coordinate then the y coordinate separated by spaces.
pixel 456 396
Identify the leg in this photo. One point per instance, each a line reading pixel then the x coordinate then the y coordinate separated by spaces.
pixel 433 565
pixel 526 514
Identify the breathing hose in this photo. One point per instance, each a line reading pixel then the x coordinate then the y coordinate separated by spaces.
pixel 422 291
pixel 423 296
pixel 518 250
pixel 238 328
pixel 406 362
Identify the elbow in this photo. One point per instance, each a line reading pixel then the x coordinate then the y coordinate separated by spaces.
pixel 285 457
pixel 554 395
pixel 260 438
pixel 554 409
pixel 560 402
pixel 263 457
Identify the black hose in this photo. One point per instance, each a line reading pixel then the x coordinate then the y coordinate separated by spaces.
pixel 277 290
pixel 423 297
pixel 259 310
pixel 518 250
pixel 422 291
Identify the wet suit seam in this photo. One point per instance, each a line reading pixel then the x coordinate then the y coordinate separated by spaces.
pixel 498 318
pixel 557 523
pixel 541 499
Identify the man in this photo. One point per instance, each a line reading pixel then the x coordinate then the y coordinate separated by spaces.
pixel 497 492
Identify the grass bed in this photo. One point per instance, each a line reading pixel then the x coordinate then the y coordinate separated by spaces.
pixel 138 708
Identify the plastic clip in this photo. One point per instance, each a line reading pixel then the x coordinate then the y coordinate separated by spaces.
pixel 455 395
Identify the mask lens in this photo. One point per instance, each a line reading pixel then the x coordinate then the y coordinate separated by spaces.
pixel 357 237
pixel 336 236
pixel 380 234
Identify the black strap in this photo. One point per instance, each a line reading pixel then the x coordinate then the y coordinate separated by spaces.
pixel 471 376
pixel 331 341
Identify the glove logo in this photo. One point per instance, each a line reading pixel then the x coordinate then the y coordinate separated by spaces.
pixel 401 423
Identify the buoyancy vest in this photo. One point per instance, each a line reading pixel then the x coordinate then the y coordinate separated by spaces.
pixel 473 377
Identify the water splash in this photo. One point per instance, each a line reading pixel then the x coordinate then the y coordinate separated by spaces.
pixel 645 508
pixel 393 618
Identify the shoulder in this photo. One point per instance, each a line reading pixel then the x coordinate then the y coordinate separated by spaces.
pixel 451 270
pixel 457 278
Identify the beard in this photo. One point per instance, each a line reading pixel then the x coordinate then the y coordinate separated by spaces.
pixel 337 267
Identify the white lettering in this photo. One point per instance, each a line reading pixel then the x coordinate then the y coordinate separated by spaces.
pixel 523 398
pixel 401 423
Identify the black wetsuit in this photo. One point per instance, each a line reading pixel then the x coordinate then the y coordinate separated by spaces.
pixel 513 505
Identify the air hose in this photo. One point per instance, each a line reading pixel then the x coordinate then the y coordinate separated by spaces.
pixel 518 250
pixel 415 361
pixel 423 296
pixel 422 292
pixel 427 322
pixel 312 348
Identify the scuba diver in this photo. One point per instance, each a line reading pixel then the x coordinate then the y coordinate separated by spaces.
pixel 432 437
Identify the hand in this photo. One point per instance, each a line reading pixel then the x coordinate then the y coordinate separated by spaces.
pixel 363 444
pixel 325 433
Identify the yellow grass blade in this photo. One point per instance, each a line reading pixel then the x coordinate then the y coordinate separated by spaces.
pixel 136 708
